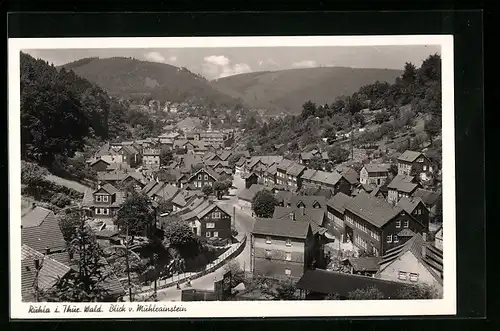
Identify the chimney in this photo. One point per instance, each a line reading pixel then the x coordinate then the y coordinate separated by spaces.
pixel 99 186
pixel 292 216
pixel 47 250
pixel 424 251
pixel 303 210
pixel 424 237
pixel 37 264
pixel 33 205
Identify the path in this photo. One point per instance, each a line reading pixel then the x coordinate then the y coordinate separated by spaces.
pixel 68 183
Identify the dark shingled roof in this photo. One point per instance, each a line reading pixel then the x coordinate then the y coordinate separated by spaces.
pixel 248 193
pixel 308 174
pixel 402 183
pixel 432 261
pixel 350 175
pixel 330 282
pixel 428 197
pixel 374 210
pixel 285 164
pixel 301 214
pixel 339 201
pixel 409 205
pixel 295 169
pixel 43 231
pixel 406 233
pixel 283 227
pixel 308 200
pixel 365 263
pixel 409 156
pixel 377 167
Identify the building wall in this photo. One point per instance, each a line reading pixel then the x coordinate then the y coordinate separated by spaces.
pixel 336 223
pixel 423 217
pixel 276 264
pixel 100 166
pixel 392 229
pixel 367 236
pixel 408 263
pixel 151 160
pixel 202 179
pixel 222 225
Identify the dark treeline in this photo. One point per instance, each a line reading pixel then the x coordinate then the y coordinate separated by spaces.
pixel 418 87
pixel 62 113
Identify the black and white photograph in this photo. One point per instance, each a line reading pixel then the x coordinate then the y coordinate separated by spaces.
pixel 166 173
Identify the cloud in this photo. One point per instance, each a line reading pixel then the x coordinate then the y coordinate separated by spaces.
pixel 268 62
pixel 173 58
pixel 154 57
pixel 305 64
pixel 218 66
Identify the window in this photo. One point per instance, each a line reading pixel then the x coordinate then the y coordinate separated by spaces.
pixel 268 254
pixel 210 225
pixel 268 240
pixel 402 275
pixel 105 198
pixel 208 234
pixel 389 239
pixel 98 198
pixel 216 214
pixel 288 256
pixel 216 234
pixel 395 238
pixel 398 224
pixel 413 277
pixel 98 211
pixel 425 168
pixel 289 242
pixel 206 177
pixel 199 176
pixel 406 224
pixel 288 272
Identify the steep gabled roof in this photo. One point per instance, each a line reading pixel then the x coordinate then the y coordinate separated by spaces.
pixel 410 156
pixel 377 167
pixel 370 264
pixel 350 175
pixel 283 227
pixel 209 171
pixel 308 200
pixel 35 217
pixel 428 197
pixel 224 155
pixel 324 177
pixel 248 193
pixel 109 189
pixel 313 215
pixel 42 230
pixel 308 174
pixel 285 164
pixel 374 210
pixel 409 204
pixel 295 169
pixel 339 201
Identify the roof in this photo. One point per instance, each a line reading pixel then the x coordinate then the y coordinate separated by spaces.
pixel 209 156
pixel 314 215
pixel 330 282
pixel 428 197
pixel 402 186
pixel 272 169
pixel 409 204
pixel 374 210
pixel 248 193
pixel 365 263
pixel 308 174
pixel 377 167
pixel 209 171
pixel 285 164
pixel 88 199
pixel 350 175
pixel 283 227
pixel 295 169
pixel 130 149
pixel 308 200
pixel 224 155
pixel 149 186
pixel 166 192
pixel 241 161
pixel 189 123
pixel 50 273
pixel 406 233
pixel 282 196
pixel 432 261
pixel 42 230
pixel 339 201
pixel 100 159
pixel 409 156
pixel 118 166
pixel 109 188
pixel 120 175
pixel 325 177
pixel 248 175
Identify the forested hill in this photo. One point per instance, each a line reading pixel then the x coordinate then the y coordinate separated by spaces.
pixel 286 90
pixel 61 112
pixel 414 94
pixel 129 78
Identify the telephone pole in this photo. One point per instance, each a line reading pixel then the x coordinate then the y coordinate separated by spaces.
pixel 128 266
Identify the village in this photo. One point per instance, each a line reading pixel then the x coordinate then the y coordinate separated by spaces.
pixel 266 222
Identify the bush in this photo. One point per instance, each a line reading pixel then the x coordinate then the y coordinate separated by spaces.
pixel 60 200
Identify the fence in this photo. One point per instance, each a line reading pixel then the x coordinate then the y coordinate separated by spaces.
pixel 212 266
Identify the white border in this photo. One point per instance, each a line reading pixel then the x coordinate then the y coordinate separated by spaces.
pixel 445 306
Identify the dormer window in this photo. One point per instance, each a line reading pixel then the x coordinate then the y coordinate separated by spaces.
pixel 98 198
pixel 105 198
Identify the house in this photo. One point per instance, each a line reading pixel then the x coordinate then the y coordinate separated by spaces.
pixel 380 192
pixel 432 201
pixel 99 164
pixel 104 202
pixel 204 176
pixel 106 238
pixel 270 175
pixel 416 208
pixel 305 158
pixel 130 155
pixel 351 176
pixel 335 213
pixel 412 163
pixel 40 231
pixel 122 178
pixel 206 219
pixel 281 248
pixel 373 224
pixel 401 186
pixel 250 179
pixel 366 266
pixel 416 261
pixel 151 158
pixel 281 169
pixel 317 284
pixel 317 217
pixel 293 173
pixel 332 181
pixel 374 174
pixel 245 196
pixel 122 167
pixel 438 238
pixel 39 271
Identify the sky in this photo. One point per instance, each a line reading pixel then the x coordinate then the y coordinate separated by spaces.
pixel 215 63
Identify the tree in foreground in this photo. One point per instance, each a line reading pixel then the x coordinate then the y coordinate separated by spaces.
pixel 369 293
pixel 69 224
pixel 264 203
pixel 237 273
pixel 432 127
pixel 180 236
pixel 207 190
pixel 136 215
pixel 286 290
pixel 338 154
pixel 87 284
pixel 420 291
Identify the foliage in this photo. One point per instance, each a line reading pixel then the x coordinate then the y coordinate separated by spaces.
pixel 87 285
pixel 165 156
pixel 69 224
pixel 135 215
pixel 264 203
pixel 419 291
pixel 221 187
pixel 164 206
pixel 338 154
pixel 369 293
pixel 32 174
pixel 285 291
pixel 237 273
pixel 233 159
pixel 433 127
pixel 60 200
pixel 180 236
pixel 382 117
pixel 207 190
pixel 332 296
